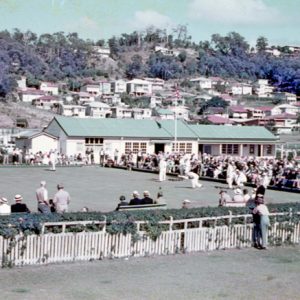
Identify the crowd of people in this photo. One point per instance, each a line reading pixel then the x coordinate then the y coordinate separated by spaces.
pixel 275 172
pixel 138 200
pixel 59 203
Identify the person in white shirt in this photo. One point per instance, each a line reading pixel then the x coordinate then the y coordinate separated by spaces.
pixel 162 169
pixel 4 207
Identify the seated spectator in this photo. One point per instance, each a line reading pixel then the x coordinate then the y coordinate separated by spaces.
pixel 19 207
pixel 224 198
pixel 122 202
pixel 85 209
pixel 4 207
pixel 238 197
pixel 246 195
pixel 147 199
pixel 186 203
pixel 135 200
pixel 160 199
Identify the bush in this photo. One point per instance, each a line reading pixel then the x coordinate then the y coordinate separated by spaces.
pixel 124 222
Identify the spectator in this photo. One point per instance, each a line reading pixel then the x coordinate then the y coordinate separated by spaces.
pixel 4 207
pixel 135 200
pixel 160 199
pixel 262 210
pixel 61 199
pixel 186 203
pixel 147 199
pixel 42 198
pixel 19 207
pixel 238 197
pixel 52 206
pixel 122 202
pixel 224 198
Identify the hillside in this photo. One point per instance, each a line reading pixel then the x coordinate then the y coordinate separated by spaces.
pixel 10 112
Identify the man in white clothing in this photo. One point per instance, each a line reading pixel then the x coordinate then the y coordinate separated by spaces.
pixel 162 169
pixel 4 207
pixel 42 198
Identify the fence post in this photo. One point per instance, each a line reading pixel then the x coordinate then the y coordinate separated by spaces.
pixel 171 224
pixel 230 216
pixel 104 227
pixel 290 215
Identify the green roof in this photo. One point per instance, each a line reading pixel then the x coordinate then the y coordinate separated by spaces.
pixel 218 132
pixel 162 129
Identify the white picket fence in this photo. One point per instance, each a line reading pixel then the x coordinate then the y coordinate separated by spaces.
pixel 62 247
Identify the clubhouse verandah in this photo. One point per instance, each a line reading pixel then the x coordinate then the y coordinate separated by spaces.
pixel 75 135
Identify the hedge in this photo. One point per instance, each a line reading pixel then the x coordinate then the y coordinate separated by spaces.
pixel 124 222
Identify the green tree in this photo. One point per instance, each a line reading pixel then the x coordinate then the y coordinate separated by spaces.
pixel 261 44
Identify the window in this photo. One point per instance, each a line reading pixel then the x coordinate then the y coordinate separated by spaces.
pixel 269 149
pixel 93 141
pixel 230 149
pixel 182 147
pixel 251 149
pixel 135 147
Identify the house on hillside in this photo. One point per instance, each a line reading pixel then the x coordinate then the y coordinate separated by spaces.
pixel 30 94
pixel 282 123
pixel 102 52
pixel 92 89
pixel 121 112
pixel 70 110
pixel 203 82
pixel 237 112
pixel 84 97
pixel 240 89
pixel 118 86
pixel 46 102
pixel 284 108
pixel 288 98
pixel 259 112
pixel 98 110
pixel 141 113
pixel 50 88
pixel 156 83
pixel 139 87
pixel 105 87
pixel 166 51
pixel 262 89
pixel 165 114
pixel 75 135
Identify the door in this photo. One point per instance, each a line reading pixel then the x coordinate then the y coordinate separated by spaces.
pixel 159 147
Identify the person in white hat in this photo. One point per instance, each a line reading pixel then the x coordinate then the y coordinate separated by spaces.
pixel 147 199
pixel 19 207
pixel 186 203
pixel 4 207
pixel 42 198
pixel 136 199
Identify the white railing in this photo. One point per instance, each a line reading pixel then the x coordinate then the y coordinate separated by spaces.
pixel 178 238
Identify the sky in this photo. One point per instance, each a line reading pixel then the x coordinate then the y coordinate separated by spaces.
pixel 277 20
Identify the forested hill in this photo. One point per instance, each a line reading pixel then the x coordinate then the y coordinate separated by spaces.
pixel 68 58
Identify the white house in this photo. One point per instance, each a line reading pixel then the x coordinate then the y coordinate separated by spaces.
pixel 141 113
pixel 237 112
pixel 92 89
pixel 22 83
pixel 30 94
pixel 46 102
pixel 72 110
pixel 204 82
pixel 105 87
pixel 75 135
pixel 139 87
pixel 35 141
pixel 98 110
pixel 101 51
pixel 284 108
pixel 166 51
pixel 241 89
pixel 118 86
pixel 263 89
pixel 121 112
pixel 180 111
pixel 85 97
pixel 157 83
pixel 50 88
